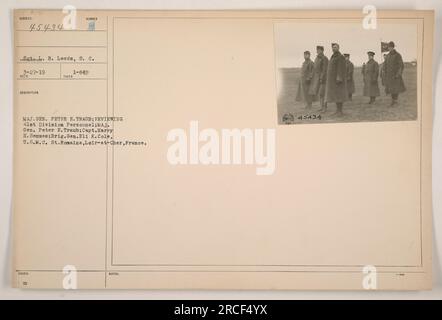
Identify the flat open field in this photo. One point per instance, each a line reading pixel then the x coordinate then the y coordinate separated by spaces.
pixel 354 111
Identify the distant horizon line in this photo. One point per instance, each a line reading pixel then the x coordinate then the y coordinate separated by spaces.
pixel 291 67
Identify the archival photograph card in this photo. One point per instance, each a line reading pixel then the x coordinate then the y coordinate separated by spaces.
pixel 272 150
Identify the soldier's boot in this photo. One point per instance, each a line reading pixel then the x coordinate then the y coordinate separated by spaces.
pixel 371 100
pixel 394 99
pixel 350 96
pixel 323 104
pixel 338 112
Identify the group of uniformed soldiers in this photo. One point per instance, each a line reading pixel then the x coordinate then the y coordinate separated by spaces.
pixel 332 80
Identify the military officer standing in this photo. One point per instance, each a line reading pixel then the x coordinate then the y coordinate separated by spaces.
pixel 394 66
pixel 350 80
pixel 370 72
pixel 317 87
pixel 336 87
pixel 305 81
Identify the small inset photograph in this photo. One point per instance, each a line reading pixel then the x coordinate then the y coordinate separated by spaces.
pixel 340 72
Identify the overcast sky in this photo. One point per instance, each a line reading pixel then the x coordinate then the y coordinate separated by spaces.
pixel 293 38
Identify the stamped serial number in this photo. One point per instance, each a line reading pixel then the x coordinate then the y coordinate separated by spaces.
pixel 310 117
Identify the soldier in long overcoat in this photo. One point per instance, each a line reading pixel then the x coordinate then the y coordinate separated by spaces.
pixel 350 80
pixel 370 72
pixel 336 88
pixel 394 66
pixel 382 70
pixel 317 87
pixel 305 81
